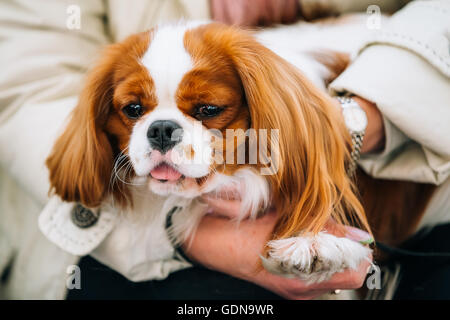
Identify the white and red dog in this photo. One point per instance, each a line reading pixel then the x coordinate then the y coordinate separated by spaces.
pixel 163 110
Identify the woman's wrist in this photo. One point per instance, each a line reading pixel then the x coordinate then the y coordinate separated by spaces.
pixel 374 137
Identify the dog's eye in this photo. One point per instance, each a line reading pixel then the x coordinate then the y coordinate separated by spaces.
pixel 133 111
pixel 207 111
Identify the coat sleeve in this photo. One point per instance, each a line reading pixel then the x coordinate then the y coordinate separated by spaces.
pixel 46 48
pixel 405 69
pixel 313 9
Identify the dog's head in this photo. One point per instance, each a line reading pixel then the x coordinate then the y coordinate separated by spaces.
pixel 184 109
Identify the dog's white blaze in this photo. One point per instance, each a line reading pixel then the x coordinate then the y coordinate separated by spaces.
pixel 167 61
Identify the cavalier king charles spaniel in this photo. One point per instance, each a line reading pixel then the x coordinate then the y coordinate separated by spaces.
pixel 191 108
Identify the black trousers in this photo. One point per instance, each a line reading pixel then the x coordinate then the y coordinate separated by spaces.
pixel 425 275
pixel 421 278
pixel 197 283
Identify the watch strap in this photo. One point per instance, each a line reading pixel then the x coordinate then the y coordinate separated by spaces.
pixel 357 136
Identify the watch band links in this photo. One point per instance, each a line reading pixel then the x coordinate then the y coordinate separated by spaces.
pixel 357 142
pixel 357 138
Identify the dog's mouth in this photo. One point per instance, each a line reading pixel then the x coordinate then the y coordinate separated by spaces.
pixel 166 173
pixel 166 178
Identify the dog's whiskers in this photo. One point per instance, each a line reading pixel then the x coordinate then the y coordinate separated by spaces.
pixel 121 171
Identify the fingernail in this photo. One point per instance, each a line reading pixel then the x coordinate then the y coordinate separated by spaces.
pixel 359 235
pixel 370 240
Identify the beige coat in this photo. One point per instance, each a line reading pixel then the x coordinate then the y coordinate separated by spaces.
pixel 42 67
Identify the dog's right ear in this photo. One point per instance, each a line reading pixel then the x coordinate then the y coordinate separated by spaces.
pixel 310 184
pixel 81 161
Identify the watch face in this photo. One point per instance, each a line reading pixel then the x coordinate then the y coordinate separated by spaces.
pixel 355 119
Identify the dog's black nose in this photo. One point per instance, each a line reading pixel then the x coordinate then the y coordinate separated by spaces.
pixel 164 134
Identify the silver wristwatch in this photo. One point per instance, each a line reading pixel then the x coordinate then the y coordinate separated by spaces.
pixel 356 122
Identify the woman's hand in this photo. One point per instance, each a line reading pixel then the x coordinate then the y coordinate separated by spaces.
pixel 223 245
pixel 254 12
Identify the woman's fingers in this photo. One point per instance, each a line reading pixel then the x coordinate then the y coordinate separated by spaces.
pixel 348 279
pixel 358 235
pixel 299 290
pixel 222 207
pixel 222 245
pixel 296 289
pixel 227 203
pixel 351 233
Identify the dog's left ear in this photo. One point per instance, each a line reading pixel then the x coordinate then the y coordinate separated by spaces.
pixel 82 158
pixel 81 161
pixel 311 184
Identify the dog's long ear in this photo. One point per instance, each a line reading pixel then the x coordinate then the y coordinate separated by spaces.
pixel 81 161
pixel 310 184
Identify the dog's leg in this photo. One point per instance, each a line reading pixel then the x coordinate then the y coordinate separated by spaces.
pixel 313 258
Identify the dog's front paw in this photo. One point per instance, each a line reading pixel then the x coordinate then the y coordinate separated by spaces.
pixel 313 258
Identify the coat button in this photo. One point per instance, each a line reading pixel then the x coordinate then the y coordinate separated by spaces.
pixel 83 217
